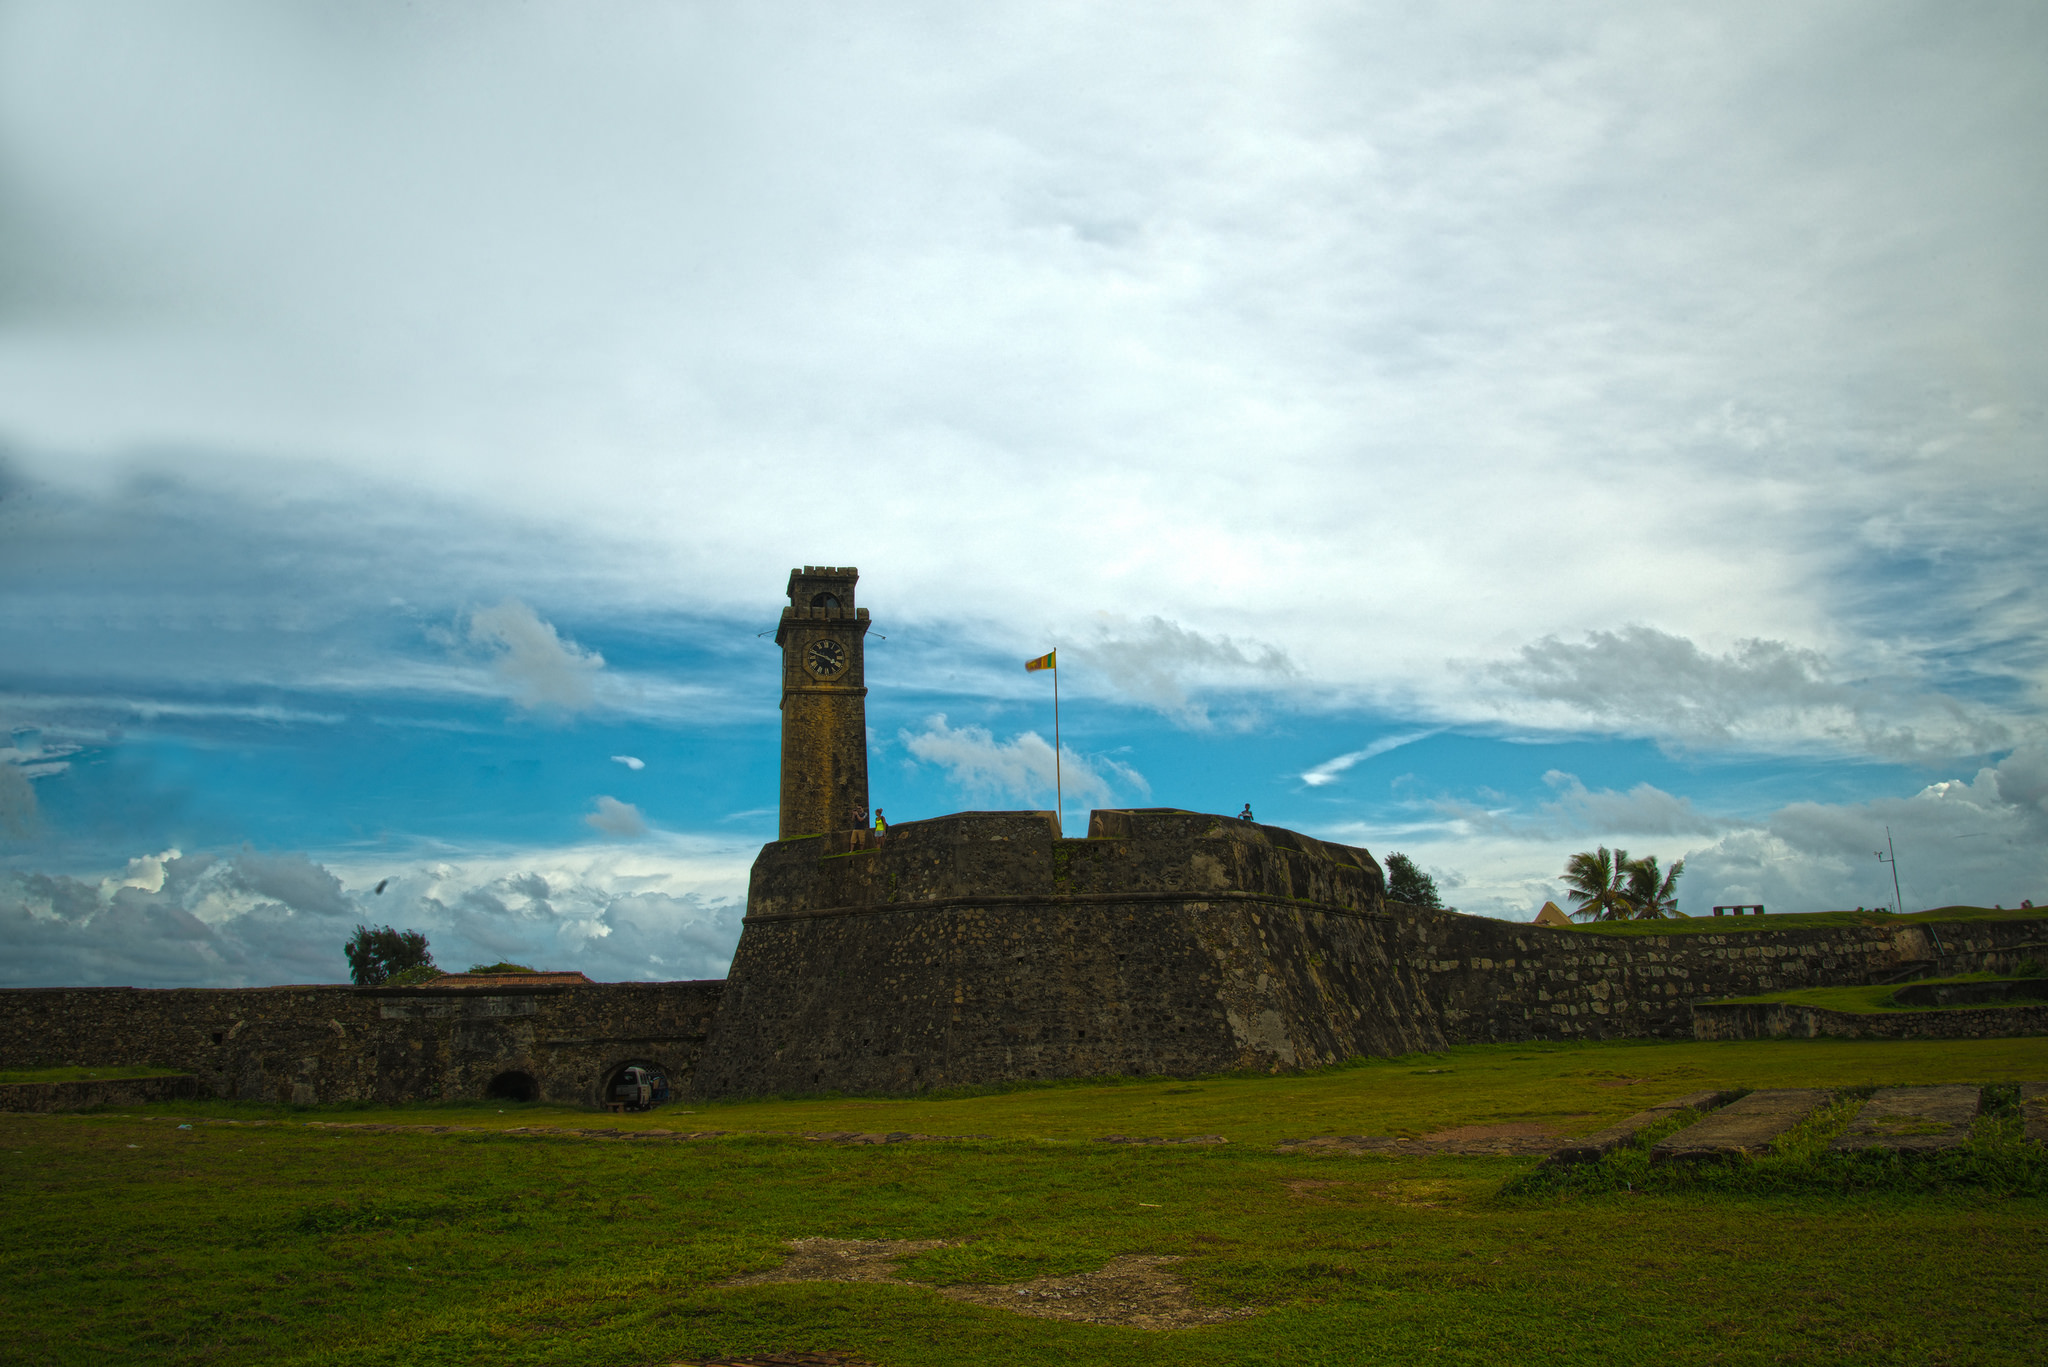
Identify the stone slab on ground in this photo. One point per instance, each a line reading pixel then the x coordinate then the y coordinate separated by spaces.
pixel 1161 1139
pixel 2034 1105
pixel 1593 1147
pixel 1911 1120
pixel 1515 1139
pixel 1742 1129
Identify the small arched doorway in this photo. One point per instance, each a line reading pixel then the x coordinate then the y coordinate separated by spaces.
pixel 512 1086
pixel 635 1085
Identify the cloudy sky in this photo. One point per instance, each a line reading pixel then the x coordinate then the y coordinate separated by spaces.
pixel 1481 431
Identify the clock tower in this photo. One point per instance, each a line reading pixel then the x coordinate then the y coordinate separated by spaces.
pixel 824 704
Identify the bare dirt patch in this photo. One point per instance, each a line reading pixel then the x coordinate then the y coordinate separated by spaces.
pixel 1311 1189
pixel 1514 1139
pixel 1514 1129
pixel 827 1358
pixel 1134 1290
pixel 842 1260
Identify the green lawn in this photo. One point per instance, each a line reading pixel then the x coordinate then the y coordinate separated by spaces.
pixel 126 1238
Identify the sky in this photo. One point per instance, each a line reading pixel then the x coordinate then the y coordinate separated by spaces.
pixel 1478 431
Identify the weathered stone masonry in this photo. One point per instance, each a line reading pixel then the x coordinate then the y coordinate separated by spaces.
pixel 982 947
pixel 312 1044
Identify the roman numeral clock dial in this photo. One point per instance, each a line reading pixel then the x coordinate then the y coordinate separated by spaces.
pixel 825 659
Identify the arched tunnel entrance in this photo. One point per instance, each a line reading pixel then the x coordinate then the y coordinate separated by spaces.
pixel 512 1086
pixel 635 1085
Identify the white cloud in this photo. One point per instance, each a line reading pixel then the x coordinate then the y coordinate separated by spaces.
pixel 536 665
pixel 1981 842
pixel 1328 771
pixel 1021 768
pixel 614 817
pixel 1157 662
pixel 667 908
pixel 1767 694
pixel 636 765
pixel 1380 342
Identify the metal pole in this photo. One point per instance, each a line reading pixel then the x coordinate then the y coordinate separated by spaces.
pixel 1898 898
pixel 1059 791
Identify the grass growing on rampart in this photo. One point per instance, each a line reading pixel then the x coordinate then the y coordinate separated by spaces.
pixel 124 1237
pixel 1728 925
pixel 1876 999
pixel 109 1073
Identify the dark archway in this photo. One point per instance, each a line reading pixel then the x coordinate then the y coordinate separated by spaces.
pixel 638 1084
pixel 513 1086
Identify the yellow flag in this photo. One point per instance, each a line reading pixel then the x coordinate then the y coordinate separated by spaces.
pixel 1045 661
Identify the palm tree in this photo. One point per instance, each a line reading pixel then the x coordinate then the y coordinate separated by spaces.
pixel 1594 881
pixel 1650 894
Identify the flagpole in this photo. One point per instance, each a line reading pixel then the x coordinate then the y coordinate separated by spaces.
pixel 1058 788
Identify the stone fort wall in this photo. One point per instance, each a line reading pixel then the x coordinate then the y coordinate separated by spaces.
pixel 1174 942
pixel 317 1044
pixel 983 947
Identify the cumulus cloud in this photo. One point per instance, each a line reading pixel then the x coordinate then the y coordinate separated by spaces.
pixel 1643 681
pixel 1159 662
pixel 1326 773
pixel 1021 768
pixel 251 919
pixel 1978 841
pixel 537 667
pixel 616 818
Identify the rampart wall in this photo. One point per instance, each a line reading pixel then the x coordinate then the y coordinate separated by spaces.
pixel 983 947
pixel 315 1044
pixel 1174 942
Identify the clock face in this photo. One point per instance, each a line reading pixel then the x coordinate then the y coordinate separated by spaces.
pixel 826 659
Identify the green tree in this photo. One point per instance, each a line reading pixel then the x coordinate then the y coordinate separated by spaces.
pixel 377 954
pixel 1651 893
pixel 1406 883
pixel 1598 883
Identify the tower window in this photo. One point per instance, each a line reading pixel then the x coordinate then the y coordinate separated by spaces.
pixel 824 600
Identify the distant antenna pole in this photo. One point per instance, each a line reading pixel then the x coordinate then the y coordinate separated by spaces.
pixel 1898 898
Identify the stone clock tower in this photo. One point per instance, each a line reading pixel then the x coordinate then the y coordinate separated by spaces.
pixel 824 704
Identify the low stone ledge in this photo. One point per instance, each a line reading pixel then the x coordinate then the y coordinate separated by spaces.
pixel 1787 1020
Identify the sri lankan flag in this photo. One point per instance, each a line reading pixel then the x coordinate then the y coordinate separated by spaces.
pixel 1045 661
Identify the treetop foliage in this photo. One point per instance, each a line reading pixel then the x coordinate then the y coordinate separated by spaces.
pixel 378 954
pixel 1607 885
pixel 1407 883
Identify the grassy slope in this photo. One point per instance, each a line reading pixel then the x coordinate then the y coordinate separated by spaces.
pixel 1724 925
pixel 1874 999
pixel 124 1238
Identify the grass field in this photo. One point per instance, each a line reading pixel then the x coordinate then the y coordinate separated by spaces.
pixel 128 1238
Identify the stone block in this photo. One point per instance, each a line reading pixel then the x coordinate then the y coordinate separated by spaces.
pixel 1599 1144
pixel 1911 1120
pixel 1742 1129
pixel 2034 1109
